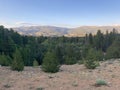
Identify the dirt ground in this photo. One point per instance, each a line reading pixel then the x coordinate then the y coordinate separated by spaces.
pixel 70 77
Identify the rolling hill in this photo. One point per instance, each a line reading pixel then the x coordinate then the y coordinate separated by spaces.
pixel 60 31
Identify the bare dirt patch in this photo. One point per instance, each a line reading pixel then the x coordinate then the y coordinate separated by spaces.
pixel 70 77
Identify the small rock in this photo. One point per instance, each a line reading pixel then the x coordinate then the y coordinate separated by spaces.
pixel 90 70
pixel 50 76
pixel 75 84
pixel 113 76
pixel 7 85
pixel 110 71
pixel 110 62
pixel 31 88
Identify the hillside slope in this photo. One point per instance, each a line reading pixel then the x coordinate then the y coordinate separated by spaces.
pixel 59 31
pixel 70 77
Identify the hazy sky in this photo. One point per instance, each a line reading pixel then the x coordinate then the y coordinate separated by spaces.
pixel 70 13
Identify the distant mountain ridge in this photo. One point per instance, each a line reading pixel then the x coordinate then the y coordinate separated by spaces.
pixel 42 30
pixel 60 31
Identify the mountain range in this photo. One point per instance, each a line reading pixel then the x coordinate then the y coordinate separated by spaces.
pixel 60 31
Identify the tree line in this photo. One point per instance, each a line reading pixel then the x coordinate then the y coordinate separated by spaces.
pixel 19 50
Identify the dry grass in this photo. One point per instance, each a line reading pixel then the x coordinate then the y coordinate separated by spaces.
pixel 70 77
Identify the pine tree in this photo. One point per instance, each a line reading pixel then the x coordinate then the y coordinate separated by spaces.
pixel 99 40
pixel 90 39
pixel 91 61
pixel 50 63
pixel 17 63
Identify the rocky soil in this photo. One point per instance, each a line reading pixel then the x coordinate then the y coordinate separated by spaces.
pixel 70 77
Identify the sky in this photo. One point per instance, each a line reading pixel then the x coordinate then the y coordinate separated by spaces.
pixel 65 13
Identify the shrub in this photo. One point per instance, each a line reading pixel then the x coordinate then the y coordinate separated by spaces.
pixel 5 60
pixel 17 63
pixel 40 88
pixel 50 63
pixel 90 64
pixel 35 63
pixel 100 82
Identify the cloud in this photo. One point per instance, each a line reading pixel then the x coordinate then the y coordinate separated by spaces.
pixel 66 25
pixel 16 24
pixel 24 24
pixel 6 24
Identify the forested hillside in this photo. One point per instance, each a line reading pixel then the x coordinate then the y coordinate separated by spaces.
pixel 66 50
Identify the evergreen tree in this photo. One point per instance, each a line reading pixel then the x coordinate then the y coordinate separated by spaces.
pixel 17 63
pixel 99 40
pixel 50 63
pixel 90 39
pixel 114 50
pixel 91 61
pixel 26 56
pixel 86 39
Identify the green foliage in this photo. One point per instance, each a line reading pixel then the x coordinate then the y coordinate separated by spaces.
pixel 99 40
pixel 99 55
pixel 81 62
pixel 100 82
pixel 71 55
pixel 68 50
pixel 90 39
pixel 50 63
pixel 5 60
pixel 35 63
pixel 69 60
pixel 40 88
pixel 114 50
pixel 27 56
pixel 90 64
pixel 17 63
pixel 59 51
pixel 91 61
